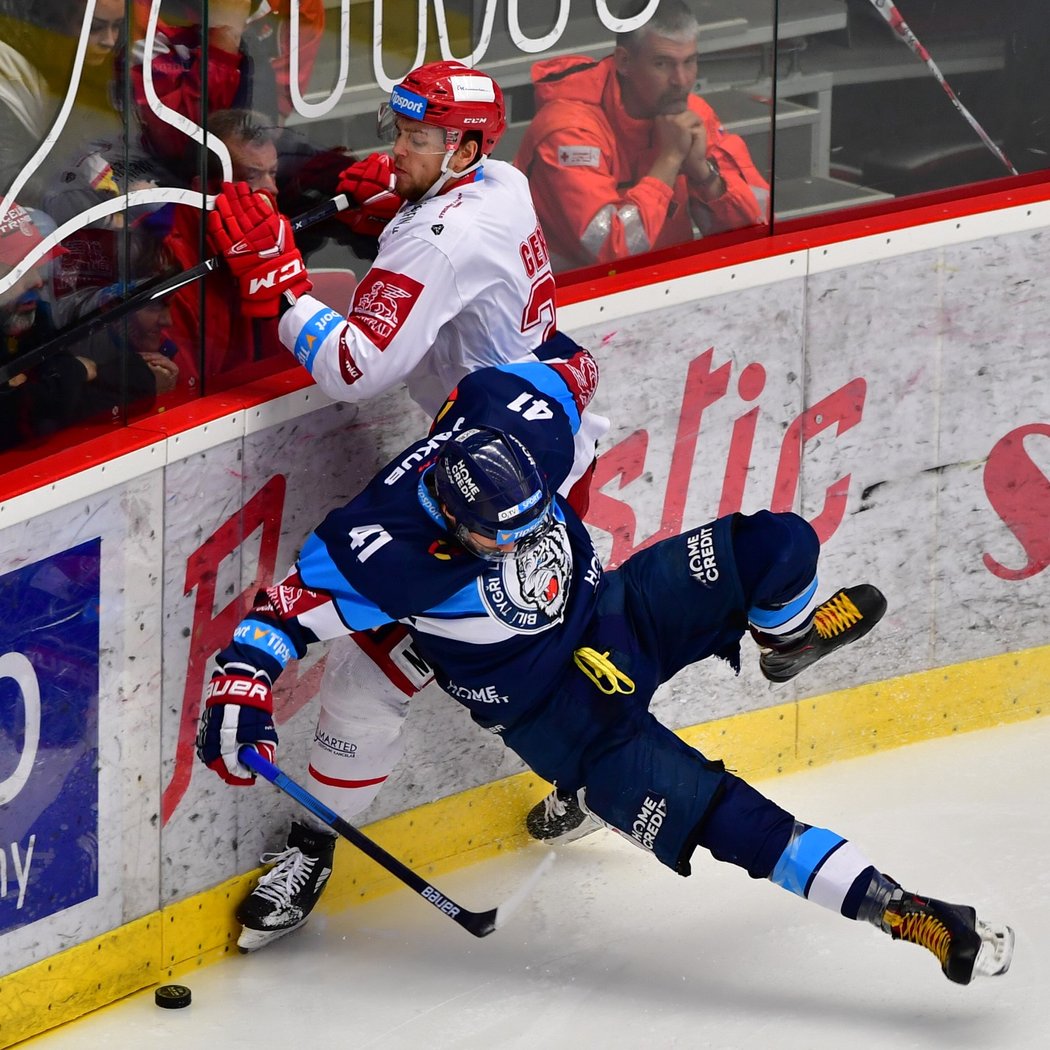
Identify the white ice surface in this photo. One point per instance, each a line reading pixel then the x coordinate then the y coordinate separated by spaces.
pixel 612 951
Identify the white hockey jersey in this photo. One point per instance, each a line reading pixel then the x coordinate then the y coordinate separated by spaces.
pixel 461 280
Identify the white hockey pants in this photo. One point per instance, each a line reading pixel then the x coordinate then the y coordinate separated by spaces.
pixel 368 681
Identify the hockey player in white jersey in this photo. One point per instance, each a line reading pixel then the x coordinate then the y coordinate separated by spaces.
pixel 462 279
pixel 461 539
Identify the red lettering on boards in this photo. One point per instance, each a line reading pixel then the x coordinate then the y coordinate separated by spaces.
pixel 212 631
pixel 1019 493
pixel 704 386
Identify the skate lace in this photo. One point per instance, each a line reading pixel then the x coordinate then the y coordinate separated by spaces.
pixel 835 616
pixel 553 806
pixel 602 671
pixel 922 929
pixel 291 870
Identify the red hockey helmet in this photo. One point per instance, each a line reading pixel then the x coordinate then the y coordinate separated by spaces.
pixel 452 96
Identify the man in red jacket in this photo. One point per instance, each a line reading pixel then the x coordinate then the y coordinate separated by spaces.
pixel 623 158
pixel 233 341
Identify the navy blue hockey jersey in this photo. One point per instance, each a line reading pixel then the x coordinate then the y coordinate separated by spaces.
pixel 487 628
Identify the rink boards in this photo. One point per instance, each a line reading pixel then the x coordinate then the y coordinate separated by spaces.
pixel 890 388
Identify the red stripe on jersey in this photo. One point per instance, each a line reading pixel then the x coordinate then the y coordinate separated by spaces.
pixel 377 645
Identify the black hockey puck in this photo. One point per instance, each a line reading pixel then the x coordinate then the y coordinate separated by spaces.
pixel 172 996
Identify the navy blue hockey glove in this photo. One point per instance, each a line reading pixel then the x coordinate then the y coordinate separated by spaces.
pixel 238 710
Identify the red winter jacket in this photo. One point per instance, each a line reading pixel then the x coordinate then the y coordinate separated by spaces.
pixel 178 79
pixel 587 160
pixel 231 341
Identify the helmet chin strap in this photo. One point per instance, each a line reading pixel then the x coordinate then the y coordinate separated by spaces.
pixel 447 175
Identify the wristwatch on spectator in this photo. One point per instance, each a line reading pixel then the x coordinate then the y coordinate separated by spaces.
pixel 713 175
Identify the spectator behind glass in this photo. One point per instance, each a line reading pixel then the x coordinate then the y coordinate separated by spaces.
pixel 623 158
pixel 36 61
pixel 93 380
pixel 37 402
pixel 247 44
pixel 88 160
pixel 24 101
pixel 230 340
pixel 157 373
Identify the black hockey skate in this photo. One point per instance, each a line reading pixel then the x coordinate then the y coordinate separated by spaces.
pixel 965 946
pixel 284 897
pixel 559 818
pixel 845 618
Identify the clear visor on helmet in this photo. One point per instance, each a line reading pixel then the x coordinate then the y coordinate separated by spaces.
pixel 518 540
pixel 416 136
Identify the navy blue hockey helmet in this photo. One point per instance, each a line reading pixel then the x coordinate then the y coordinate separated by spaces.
pixel 490 484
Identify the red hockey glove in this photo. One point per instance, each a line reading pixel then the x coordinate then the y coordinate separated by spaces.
pixel 256 241
pixel 238 710
pixel 369 186
pixel 366 178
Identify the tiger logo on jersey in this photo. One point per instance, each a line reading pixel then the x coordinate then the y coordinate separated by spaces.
pixel 529 592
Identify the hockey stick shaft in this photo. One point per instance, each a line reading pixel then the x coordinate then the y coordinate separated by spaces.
pixel 102 318
pixel 480 924
pixel 893 17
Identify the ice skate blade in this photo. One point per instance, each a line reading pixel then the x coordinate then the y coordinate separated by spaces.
pixel 996 951
pixel 253 940
pixel 588 827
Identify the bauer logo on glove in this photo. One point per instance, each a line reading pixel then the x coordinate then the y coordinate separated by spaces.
pixel 238 711
pixel 234 687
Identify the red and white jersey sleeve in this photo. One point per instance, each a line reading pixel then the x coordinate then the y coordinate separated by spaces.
pixel 461 280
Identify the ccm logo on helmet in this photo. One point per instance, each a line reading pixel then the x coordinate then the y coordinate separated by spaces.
pixel 240 687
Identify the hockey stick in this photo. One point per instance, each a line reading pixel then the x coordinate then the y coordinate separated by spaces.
pixel 481 924
pixel 888 10
pixel 106 316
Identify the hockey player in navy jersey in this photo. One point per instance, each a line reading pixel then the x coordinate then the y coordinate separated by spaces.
pixel 462 539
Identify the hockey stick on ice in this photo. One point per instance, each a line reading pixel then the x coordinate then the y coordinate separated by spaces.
pixel 101 318
pixel 481 924
pixel 888 10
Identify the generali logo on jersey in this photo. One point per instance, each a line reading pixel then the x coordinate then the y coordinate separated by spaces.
pixel 382 304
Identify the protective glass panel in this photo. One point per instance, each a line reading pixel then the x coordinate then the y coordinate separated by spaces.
pixel 649 129
pixel 909 98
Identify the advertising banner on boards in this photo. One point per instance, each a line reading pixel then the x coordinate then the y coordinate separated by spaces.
pixel 49 693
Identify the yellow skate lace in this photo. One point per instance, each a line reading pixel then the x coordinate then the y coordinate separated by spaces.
pixel 924 930
pixel 836 615
pixel 602 671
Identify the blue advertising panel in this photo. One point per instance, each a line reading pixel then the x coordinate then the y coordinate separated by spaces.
pixel 49 670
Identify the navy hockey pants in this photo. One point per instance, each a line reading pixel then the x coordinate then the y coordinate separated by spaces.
pixel 682 600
